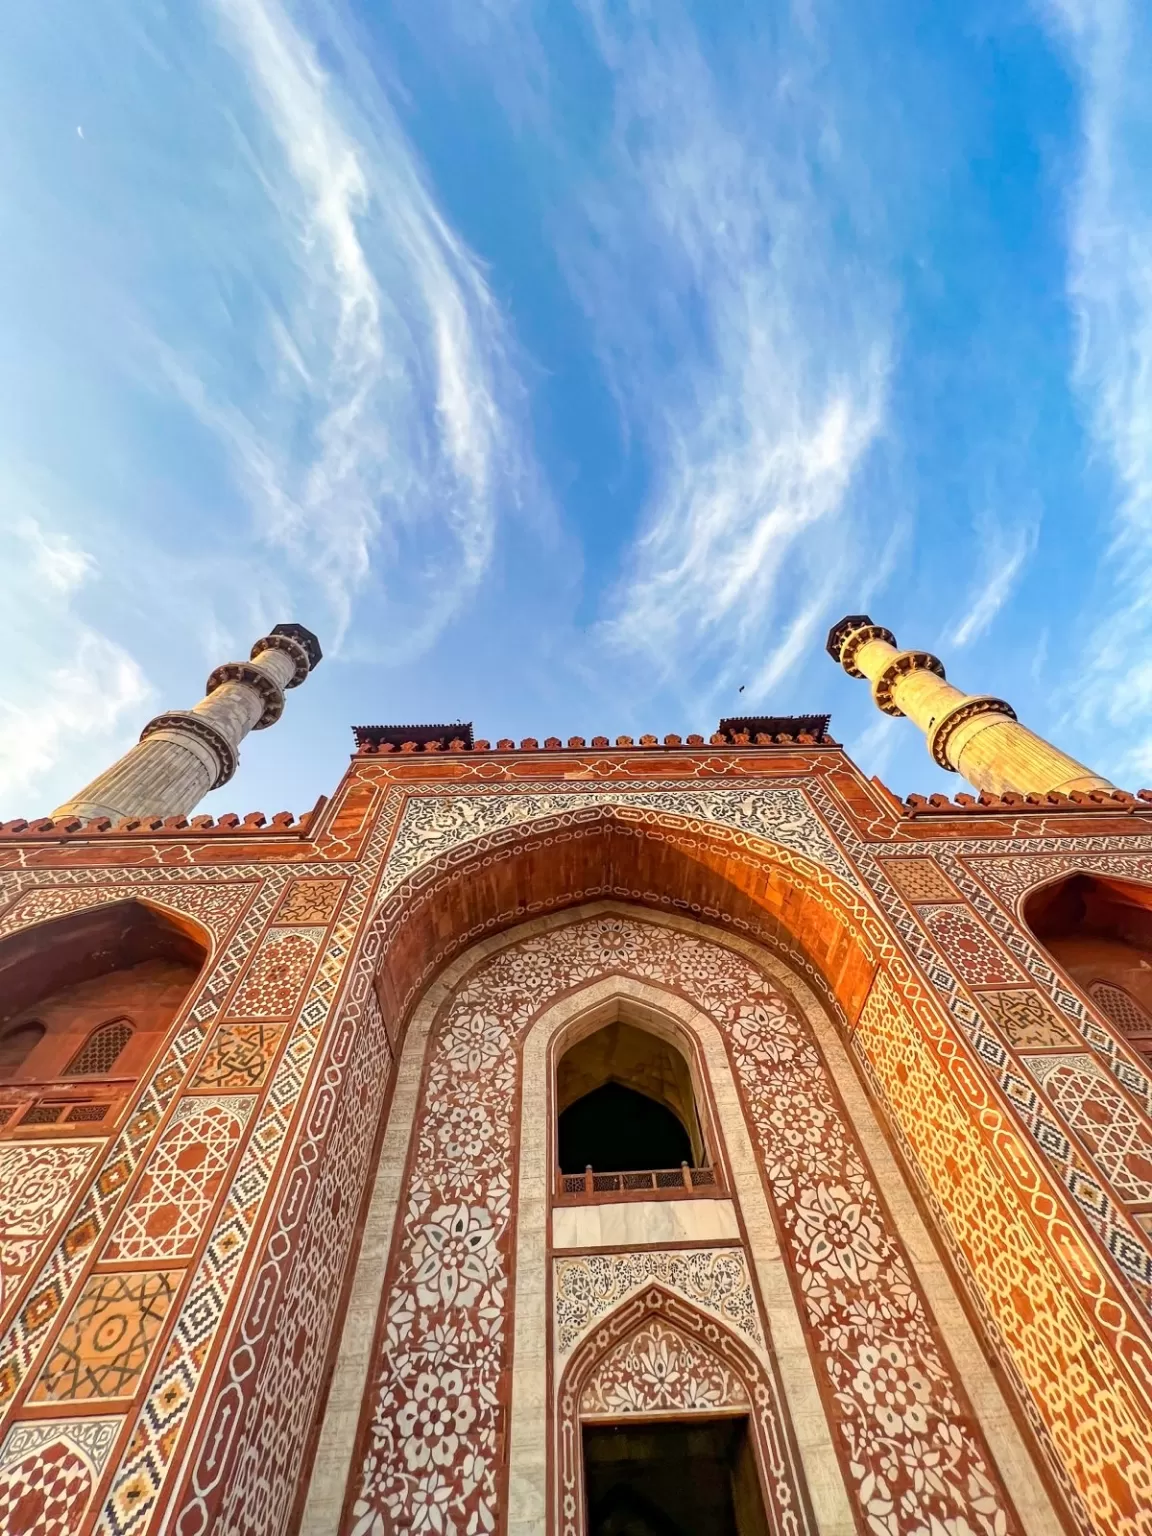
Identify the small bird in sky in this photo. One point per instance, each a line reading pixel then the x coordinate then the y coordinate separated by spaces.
pixel 741 687
pixel 79 131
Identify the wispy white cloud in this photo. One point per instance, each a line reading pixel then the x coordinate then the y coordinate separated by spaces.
pixel 56 561
pixel 875 746
pixel 64 710
pixel 1109 45
pixel 749 350
pixel 1005 549
pixel 383 438
pixel 252 367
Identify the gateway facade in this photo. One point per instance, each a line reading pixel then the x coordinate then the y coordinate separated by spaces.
pixel 650 1136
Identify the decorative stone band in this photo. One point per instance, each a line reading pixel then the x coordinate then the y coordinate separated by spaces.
pixel 182 722
pixel 255 677
pixel 291 647
pixel 942 732
pixel 855 639
pixel 900 666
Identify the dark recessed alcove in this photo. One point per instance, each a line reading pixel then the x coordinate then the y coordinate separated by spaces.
pixel 669 1478
pixel 614 1129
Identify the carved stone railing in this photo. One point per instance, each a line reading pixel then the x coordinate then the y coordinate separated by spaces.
pixel 643 1184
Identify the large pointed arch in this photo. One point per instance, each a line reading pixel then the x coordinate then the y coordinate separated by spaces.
pixel 450 1207
pixel 95 992
pixel 781 897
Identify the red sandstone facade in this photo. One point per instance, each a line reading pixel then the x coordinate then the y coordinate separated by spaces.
pixel 182 1305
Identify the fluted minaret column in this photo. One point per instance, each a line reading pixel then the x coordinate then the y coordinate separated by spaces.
pixel 184 753
pixel 975 735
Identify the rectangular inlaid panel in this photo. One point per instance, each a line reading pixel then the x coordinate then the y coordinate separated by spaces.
pixel 310 901
pixel 277 975
pixel 180 1183
pixel 49 1471
pixel 37 1183
pixel 1117 1139
pixel 106 1342
pixel 239 1056
pixel 920 880
pixel 1025 1020
pixel 969 946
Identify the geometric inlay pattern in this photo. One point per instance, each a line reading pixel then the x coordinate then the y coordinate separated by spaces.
pixel 1026 1020
pixel 1117 1138
pixel 905 1435
pixel 239 1056
pixel 37 1183
pixel 48 1472
pixel 920 880
pixel 969 946
pixel 658 1370
pixel 586 1286
pixel 103 1348
pixel 181 1180
pixel 277 975
pixel 1121 1007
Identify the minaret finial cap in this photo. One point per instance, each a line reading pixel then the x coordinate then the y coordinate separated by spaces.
pixel 304 637
pixel 840 632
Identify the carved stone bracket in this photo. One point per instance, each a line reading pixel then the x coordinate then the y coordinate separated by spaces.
pixel 183 722
pixel 900 666
pixel 853 642
pixel 278 641
pixel 254 677
pixel 944 729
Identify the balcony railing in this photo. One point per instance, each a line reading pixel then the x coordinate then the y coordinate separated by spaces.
pixel 62 1103
pixel 643 1183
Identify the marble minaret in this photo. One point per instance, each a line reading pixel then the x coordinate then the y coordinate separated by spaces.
pixel 976 735
pixel 184 753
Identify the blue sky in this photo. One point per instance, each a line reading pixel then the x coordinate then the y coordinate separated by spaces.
pixel 569 365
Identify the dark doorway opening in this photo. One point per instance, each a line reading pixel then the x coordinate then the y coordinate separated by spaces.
pixel 659 1478
pixel 614 1129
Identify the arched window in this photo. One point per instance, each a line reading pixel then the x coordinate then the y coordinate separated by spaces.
pixel 625 1102
pixel 99 1052
pixel 1099 931
pixel 17 1044
pixel 1121 1007
pixel 90 995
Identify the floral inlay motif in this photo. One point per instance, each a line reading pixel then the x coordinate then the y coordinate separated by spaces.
pixel 906 1437
pixel 660 1370
pixel 780 814
pixel 586 1286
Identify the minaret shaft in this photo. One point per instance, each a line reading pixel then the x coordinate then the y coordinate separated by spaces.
pixel 183 754
pixel 975 735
